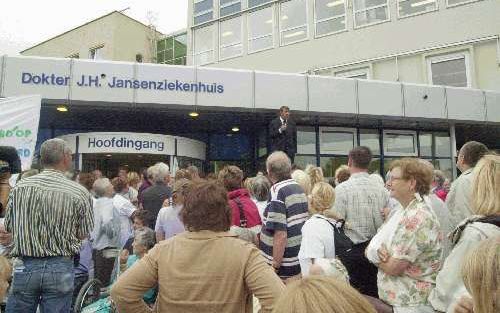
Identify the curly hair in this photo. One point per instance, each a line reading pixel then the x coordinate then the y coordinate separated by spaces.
pixel 206 208
pixel 322 198
pixel 182 174
pixel 413 169
pixel 231 177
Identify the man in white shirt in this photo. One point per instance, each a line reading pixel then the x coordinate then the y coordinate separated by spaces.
pixel 360 202
pixel 458 199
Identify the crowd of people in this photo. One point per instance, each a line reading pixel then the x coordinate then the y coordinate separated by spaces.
pixel 285 240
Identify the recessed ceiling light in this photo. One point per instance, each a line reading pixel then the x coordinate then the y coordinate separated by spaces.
pixel 235 129
pixel 194 114
pixel 62 108
pixel 108 155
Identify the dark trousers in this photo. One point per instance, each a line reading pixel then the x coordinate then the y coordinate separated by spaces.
pixel 362 273
pixel 103 267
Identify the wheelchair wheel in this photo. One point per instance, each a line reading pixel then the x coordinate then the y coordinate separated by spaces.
pixel 89 293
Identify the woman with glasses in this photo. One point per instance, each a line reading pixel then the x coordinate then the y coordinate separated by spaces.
pixel 410 258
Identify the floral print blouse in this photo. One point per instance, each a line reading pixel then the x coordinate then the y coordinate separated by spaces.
pixel 417 240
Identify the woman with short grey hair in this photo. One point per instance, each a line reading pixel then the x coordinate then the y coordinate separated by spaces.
pixel 259 190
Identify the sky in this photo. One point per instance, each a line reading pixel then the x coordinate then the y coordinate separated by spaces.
pixel 24 23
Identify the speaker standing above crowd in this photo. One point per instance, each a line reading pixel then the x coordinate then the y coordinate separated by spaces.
pixel 282 241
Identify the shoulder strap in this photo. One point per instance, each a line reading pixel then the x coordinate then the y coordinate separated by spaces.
pixel 243 218
pixel 495 220
pixel 339 223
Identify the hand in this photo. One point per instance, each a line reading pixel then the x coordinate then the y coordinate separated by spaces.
pixel 464 305
pixel 5 238
pixel 283 128
pixel 383 253
pixel 124 256
pixel 276 266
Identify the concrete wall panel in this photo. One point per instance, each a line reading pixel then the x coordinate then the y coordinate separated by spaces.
pixel 272 90
pixel 424 101
pixel 328 94
pixel 380 98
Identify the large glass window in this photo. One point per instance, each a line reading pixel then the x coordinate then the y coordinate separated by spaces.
pixel 449 70
pixel 203 11
pixel 413 7
pixel 204 45
pixel 425 140
pixel 329 16
pixel 304 160
pixel 260 30
pixel 370 138
pixel 443 145
pixel 229 7
pixel 401 143
pixel 445 166
pixel 172 50
pixel 254 3
pixel 330 164
pixel 337 141
pixel 306 140
pixel 367 12
pixel 230 38
pixel 293 21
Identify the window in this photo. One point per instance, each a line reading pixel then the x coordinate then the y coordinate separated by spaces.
pixel 230 39
pixel 400 143
pixel 74 56
pixel 97 53
pixel 329 16
pixel 368 12
pixel 254 3
pixel 360 73
pixel 414 7
pixel 260 30
pixel 330 164
pixel 370 138
pixel 228 7
pixel 443 145
pixel 452 3
pixel 204 45
pixel 304 160
pixel 425 140
pixel 306 140
pixel 172 50
pixel 293 21
pixel 337 140
pixel 449 70
pixel 203 11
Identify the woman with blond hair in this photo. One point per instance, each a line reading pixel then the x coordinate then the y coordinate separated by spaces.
pixel 303 180
pixel 485 223
pixel 341 174
pixel 315 174
pixel 481 276
pixel 320 294
pixel 318 238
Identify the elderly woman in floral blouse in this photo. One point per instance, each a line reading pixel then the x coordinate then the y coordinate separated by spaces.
pixel 409 259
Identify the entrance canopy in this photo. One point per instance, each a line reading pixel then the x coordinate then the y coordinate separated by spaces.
pixel 88 83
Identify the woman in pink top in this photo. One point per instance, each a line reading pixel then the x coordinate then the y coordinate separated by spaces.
pixel 239 198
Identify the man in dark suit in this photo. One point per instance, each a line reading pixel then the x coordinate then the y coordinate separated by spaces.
pixel 283 133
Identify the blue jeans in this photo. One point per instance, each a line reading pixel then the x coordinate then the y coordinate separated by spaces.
pixel 47 282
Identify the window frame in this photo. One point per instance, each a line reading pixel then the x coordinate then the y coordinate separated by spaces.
pixel 372 8
pixel 258 6
pixel 93 50
pixel 249 39
pixel 195 15
pixel 195 54
pixel 280 31
pixel 316 21
pixel 436 8
pixel 222 6
pixel 431 59
pixel 350 73
pixel 327 129
pixel 400 132
pixel 232 44
pixel 459 4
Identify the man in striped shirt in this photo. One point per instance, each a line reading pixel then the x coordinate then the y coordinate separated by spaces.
pixel 48 216
pixel 285 215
